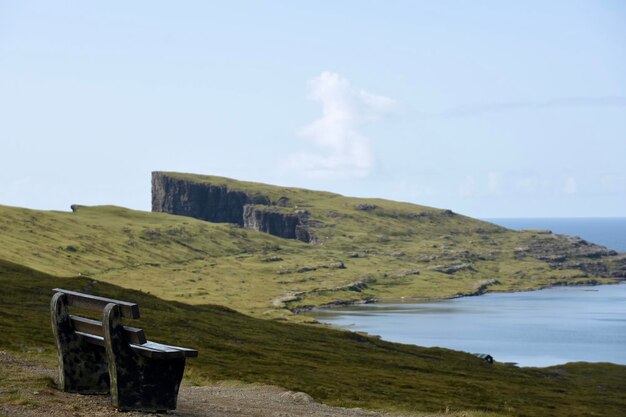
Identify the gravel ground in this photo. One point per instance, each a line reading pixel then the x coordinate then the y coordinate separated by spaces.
pixel 219 400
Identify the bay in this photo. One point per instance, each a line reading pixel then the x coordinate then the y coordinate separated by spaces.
pixel 537 328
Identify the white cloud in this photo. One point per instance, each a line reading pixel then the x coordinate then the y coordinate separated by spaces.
pixel 343 151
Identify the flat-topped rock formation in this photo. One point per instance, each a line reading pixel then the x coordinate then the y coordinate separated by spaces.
pixel 221 204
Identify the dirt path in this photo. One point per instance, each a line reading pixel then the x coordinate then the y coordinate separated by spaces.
pixel 19 399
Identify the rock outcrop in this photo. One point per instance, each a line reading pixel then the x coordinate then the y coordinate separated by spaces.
pixel 570 252
pixel 277 222
pixel 220 204
pixel 213 203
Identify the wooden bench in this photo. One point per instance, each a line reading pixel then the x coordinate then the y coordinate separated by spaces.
pixel 107 356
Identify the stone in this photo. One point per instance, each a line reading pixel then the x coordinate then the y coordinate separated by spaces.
pixel 365 207
pixel 276 222
pixel 82 365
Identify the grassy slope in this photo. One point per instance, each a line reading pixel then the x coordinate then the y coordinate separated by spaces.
pixel 171 256
pixel 336 367
pixel 392 250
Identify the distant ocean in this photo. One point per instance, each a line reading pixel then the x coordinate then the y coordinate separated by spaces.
pixel 609 232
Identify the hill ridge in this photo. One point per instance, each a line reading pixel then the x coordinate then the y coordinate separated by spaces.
pixel 357 249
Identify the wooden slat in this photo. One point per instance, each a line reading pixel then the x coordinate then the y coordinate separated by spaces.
pixel 96 340
pixel 135 335
pixel 92 302
pixel 149 352
pixel 93 332
pixel 140 349
pixel 189 353
pixel 148 349
pixel 85 325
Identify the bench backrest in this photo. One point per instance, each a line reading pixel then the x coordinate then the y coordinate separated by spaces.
pixel 95 303
pixel 93 327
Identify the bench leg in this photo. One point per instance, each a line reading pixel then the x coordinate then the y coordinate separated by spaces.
pixel 82 366
pixel 138 383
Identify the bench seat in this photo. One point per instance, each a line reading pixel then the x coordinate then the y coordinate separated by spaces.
pixel 148 349
pixel 93 332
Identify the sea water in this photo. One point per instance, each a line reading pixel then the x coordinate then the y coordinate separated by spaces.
pixel 609 232
pixel 536 328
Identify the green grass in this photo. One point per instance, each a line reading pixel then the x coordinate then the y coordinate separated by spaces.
pixel 389 249
pixel 336 367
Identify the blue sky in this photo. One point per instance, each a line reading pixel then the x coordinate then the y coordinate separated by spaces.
pixel 489 108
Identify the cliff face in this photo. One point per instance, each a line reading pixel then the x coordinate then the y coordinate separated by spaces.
pixel 219 204
pixel 278 223
pixel 213 203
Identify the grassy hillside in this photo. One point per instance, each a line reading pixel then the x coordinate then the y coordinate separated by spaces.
pixel 171 256
pixel 336 367
pixel 363 249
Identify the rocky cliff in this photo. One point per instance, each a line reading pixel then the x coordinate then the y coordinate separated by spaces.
pixel 277 221
pixel 220 204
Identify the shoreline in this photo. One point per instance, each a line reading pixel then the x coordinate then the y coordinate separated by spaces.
pixel 327 309
pixel 345 303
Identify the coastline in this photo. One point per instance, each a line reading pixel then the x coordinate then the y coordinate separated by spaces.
pixel 559 313
pixel 347 303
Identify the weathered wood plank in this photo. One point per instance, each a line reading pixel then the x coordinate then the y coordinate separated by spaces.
pixel 149 352
pixel 93 330
pixel 92 302
pixel 189 353
pixel 91 338
pixel 145 351
pixel 82 324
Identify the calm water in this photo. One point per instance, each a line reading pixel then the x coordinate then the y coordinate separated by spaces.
pixel 538 328
pixel 609 232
